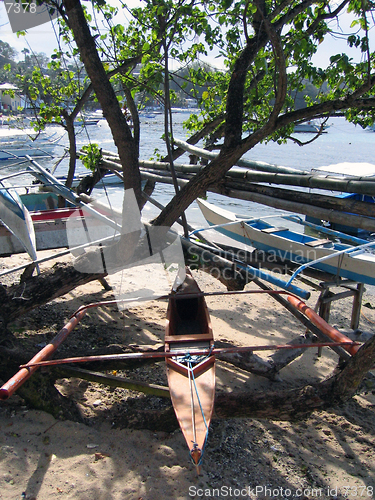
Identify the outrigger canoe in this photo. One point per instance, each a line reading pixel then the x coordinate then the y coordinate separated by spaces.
pixel 189 354
pixel 48 222
pixel 338 259
pixel 191 378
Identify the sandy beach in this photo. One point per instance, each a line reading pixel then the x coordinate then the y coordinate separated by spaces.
pixel 328 456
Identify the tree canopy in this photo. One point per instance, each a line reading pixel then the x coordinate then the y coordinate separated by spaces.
pixel 267 49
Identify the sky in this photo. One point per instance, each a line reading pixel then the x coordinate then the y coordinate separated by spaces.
pixel 43 39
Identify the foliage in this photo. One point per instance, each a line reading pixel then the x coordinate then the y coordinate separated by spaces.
pixel 7 58
pixel 192 29
pixel 269 78
pixel 91 157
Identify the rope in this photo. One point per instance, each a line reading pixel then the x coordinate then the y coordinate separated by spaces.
pixel 189 359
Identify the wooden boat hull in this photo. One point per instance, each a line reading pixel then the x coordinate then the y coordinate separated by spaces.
pixel 191 379
pixel 50 225
pixel 188 406
pixel 285 244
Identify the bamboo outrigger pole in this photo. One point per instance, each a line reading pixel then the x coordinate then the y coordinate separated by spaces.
pixel 198 352
pixel 274 174
pixel 24 373
pixel 327 329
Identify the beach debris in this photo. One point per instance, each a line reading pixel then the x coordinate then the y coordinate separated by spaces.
pixel 90 446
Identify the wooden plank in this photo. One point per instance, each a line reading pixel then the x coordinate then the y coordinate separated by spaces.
pixel 318 243
pixel 198 337
pixel 357 304
pixel 271 230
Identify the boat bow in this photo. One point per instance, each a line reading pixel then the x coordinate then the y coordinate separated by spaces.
pixel 191 378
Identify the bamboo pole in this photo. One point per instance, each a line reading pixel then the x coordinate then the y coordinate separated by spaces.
pixel 316 181
pixel 319 200
pixel 357 185
pixel 209 155
pixel 285 175
pixel 25 373
pixel 330 182
pixel 255 165
pixel 298 314
pixel 116 381
pixel 347 344
pixel 361 222
pixel 327 329
pixel 314 205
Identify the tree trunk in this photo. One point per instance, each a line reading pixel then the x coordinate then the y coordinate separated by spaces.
pixel 35 291
pixel 299 403
pixel 72 149
pixel 39 392
pixel 120 129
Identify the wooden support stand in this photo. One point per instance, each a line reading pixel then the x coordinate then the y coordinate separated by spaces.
pixel 327 296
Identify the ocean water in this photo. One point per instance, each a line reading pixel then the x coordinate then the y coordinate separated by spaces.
pixel 343 142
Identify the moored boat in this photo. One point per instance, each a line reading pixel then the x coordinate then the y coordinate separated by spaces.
pixel 15 152
pixel 17 143
pixel 15 217
pixel 88 222
pixel 307 128
pixel 191 378
pixel 351 230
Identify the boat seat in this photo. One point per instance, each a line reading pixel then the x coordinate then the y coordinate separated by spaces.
pixel 317 243
pixel 270 230
pixel 189 347
pixel 197 337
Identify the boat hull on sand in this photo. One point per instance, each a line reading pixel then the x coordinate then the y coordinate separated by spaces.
pixel 50 225
pixel 191 378
pixel 287 245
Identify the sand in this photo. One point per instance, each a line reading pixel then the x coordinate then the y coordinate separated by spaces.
pixel 328 455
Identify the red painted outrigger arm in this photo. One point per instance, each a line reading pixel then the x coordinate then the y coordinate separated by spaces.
pixel 323 326
pixel 24 373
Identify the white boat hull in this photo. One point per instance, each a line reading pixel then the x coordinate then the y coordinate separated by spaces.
pixel 282 245
pixel 52 234
pixel 50 225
